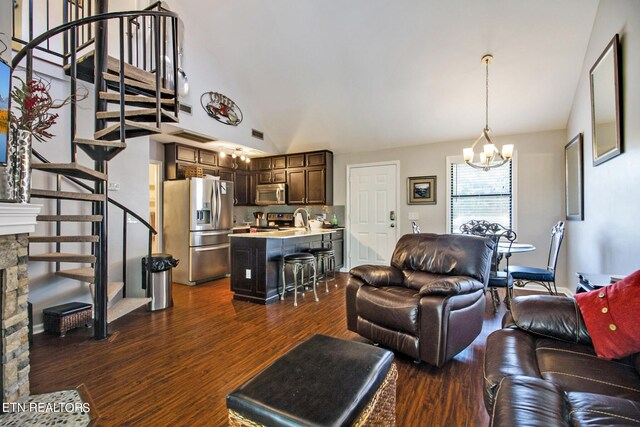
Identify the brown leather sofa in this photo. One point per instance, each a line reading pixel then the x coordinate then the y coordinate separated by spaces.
pixel 541 370
pixel 429 304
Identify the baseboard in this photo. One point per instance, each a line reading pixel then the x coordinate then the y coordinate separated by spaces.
pixel 38 328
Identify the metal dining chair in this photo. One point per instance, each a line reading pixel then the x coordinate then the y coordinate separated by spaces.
pixel 497 279
pixel 543 276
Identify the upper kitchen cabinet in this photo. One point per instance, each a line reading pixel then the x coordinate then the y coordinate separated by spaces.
pixel 279 162
pixel 311 184
pixel 186 154
pixel 296 160
pixel 178 157
pixel 208 158
pixel 263 164
pixel 316 159
pixel 272 177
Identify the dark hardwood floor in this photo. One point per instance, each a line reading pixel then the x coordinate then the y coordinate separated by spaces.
pixel 175 367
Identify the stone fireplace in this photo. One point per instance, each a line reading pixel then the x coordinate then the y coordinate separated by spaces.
pixel 15 322
pixel 16 222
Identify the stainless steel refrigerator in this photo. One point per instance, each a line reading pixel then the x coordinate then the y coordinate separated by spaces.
pixel 197 220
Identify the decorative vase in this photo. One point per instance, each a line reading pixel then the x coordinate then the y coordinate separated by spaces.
pixel 22 169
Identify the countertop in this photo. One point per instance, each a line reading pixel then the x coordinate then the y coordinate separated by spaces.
pixel 282 234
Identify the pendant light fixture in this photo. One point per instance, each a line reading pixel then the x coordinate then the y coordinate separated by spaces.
pixel 238 152
pixel 490 156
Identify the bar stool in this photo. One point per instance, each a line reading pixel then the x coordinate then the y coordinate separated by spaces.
pixel 298 261
pixel 328 258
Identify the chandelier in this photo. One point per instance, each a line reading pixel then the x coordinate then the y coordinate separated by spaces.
pixel 238 152
pixel 490 156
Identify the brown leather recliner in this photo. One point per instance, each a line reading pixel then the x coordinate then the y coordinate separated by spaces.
pixel 429 304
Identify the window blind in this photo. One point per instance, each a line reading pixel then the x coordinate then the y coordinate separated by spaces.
pixel 476 194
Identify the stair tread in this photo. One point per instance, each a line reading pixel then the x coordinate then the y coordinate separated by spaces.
pixel 125 306
pixel 68 238
pixel 134 98
pixel 147 114
pixel 85 274
pixel 113 288
pixel 70 218
pixel 100 149
pixel 100 142
pixel 113 65
pixel 71 169
pixel 62 257
pixel 136 83
pixel 113 130
pixel 67 195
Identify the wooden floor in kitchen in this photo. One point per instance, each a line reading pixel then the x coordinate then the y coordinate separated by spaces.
pixel 175 367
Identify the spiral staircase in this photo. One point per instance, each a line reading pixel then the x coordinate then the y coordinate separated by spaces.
pixel 133 96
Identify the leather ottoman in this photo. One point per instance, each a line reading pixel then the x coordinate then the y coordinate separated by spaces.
pixel 324 381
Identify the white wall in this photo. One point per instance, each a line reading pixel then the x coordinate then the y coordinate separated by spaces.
pixel 206 73
pixel 540 183
pixel 6 27
pixel 608 240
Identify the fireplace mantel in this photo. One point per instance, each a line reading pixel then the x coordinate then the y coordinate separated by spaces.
pixel 18 218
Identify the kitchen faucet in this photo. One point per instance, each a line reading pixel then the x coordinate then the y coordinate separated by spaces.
pixel 305 221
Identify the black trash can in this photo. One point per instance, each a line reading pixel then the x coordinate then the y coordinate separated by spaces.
pixel 156 279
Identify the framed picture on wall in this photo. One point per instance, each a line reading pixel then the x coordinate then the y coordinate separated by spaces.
pixel 574 193
pixel 606 104
pixel 421 190
pixel 5 101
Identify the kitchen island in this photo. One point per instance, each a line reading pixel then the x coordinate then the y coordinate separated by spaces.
pixel 255 260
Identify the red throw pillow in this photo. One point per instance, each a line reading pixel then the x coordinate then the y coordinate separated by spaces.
pixel 611 317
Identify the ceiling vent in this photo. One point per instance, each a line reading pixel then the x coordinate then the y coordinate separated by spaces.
pixel 257 134
pixel 191 136
pixel 185 108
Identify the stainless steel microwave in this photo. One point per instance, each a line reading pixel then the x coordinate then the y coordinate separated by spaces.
pixel 271 194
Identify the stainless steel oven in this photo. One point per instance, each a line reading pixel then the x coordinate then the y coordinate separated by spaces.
pixel 271 194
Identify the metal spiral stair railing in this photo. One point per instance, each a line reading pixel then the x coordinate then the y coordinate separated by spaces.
pixel 133 87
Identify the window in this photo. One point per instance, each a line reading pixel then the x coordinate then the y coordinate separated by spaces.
pixel 476 194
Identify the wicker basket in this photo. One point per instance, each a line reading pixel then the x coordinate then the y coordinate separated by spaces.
pixel 381 410
pixel 193 172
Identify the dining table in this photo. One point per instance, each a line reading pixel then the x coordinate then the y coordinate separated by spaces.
pixel 505 249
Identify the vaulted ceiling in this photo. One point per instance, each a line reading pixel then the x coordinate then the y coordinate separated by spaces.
pixel 353 75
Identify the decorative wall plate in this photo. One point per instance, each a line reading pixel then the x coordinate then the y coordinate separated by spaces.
pixel 221 108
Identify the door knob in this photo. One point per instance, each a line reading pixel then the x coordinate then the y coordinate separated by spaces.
pixel 393 225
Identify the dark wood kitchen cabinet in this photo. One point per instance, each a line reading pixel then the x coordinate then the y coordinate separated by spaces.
pixel 208 158
pixel 297 191
pixel 311 185
pixel 263 164
pixel 179 157
pixel 296 160
pixel 186 154
pixel 272 177
pixel 279 162
pixel 244 188
pixel 336 242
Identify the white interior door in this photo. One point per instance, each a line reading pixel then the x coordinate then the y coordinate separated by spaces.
pixel 372 213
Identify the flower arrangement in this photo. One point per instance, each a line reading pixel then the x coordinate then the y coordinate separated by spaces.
pixel 34 103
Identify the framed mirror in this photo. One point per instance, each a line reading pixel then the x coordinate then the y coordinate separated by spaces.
pixel 606 104
pixel 573 190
